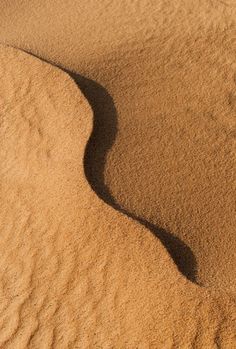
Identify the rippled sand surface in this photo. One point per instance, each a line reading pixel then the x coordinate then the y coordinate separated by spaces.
pixel 122 235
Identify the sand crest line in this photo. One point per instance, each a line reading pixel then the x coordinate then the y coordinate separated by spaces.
pixel 179 251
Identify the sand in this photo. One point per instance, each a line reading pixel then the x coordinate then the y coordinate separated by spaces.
pixel 140 252
pixel 76 273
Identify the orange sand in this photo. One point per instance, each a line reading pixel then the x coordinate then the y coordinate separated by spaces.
pixel 161 83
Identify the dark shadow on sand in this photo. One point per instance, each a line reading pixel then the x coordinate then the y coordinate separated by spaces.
pixel 101 140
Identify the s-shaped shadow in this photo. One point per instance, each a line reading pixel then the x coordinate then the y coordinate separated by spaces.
pixel 101 140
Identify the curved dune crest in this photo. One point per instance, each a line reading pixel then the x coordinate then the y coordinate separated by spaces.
pixel 74 273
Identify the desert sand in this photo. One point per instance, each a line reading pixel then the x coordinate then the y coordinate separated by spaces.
pixel 118 174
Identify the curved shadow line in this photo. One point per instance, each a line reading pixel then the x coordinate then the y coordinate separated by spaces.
pixel 101 140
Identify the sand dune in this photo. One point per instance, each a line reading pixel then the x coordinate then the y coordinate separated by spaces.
pixel 76 273
pixel 159 78
pixel 168 150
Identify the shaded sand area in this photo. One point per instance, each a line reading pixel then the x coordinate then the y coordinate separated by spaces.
pixel 163 93
pixel 74 272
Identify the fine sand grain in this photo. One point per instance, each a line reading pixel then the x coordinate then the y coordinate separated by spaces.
pixel 75 273
pixel 156 267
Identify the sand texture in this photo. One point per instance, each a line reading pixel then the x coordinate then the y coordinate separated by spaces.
pixel 75 273
pixel 118 202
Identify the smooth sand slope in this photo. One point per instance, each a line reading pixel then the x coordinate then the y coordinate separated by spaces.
pixel 163 148
pixel 74 272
